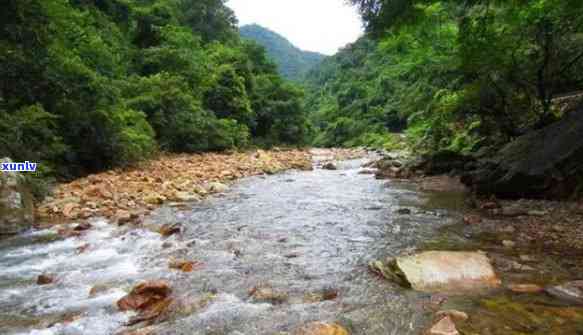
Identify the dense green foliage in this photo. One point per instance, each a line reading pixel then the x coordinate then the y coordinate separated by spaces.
pixel 462 74
pixel 350 100
pixel 292 62
pixel 92 84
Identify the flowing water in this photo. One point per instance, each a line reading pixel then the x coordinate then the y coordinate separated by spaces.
pixel 299 233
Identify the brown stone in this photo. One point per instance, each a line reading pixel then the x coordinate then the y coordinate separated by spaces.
pixel 68 232
pixel 472 219
pixel 145 295
pixel 329 166
pixel 152 312
pixel 525 288
pixel 122 217
pixel 83 226
pixel 445 326
pixel 170 229
pixel 68 210
pixel 98 289
pixel 320 328
pixel 489 205
pixel 457 316
pixel 184 266
pixel 45 279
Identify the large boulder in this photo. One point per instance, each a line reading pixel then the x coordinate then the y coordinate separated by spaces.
pixel 544 163
pixel 441 271
pixel 16 205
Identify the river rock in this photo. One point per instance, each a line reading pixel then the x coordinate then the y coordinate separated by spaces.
pixel 123 217
pixel 547 162
pixel 321 328
pixel 330 166
pixel 441 271
pixel 445 326
pixel 150 299
pixel 16 205
pixel 184 265
pixel 266 293
pixel 367 171
pixel 457 316
pixel 167 230
pixel 186 197
pixel 45 279
pixel 472 220
pixel 154 199
pixel 145 295
pixel 82 226
pixel 218 187
pixel 525 288
pixel 571 292
pixel 508 244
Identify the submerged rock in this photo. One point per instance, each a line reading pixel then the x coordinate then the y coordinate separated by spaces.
pixel 170 229
pixel 184 265
pixel 218 188
pixel 571 292
pixel 320 328
pixel 330 166
pixel 440 271
pixel 404 211
pixel 445 326
pixel 144 295
pixel 265 293
pixel 150 299
pixel 45 279
pixel 16 205
pixel 457 316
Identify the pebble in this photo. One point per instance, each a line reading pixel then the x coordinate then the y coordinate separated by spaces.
pixel 525 288
pixel 509 244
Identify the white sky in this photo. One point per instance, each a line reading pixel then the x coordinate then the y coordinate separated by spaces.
pixel 314 25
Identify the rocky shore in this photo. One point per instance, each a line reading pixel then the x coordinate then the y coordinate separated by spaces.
pixel 534 246
pixel 127 195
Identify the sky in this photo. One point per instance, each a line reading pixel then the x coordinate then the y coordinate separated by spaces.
pixel 313 25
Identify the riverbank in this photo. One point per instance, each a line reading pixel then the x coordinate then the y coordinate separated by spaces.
pixel 535 247
pixel 282 253
pixel 126 195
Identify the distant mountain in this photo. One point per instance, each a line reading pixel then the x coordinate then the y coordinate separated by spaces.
pixel 293 63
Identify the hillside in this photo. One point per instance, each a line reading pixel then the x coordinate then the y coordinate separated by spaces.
pixel 348 98
pixel 91 93
pixel 292 62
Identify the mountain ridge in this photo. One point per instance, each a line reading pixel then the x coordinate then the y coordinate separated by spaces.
pixel 293 63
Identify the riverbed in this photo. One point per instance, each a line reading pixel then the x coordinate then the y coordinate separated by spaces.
pixel 299 234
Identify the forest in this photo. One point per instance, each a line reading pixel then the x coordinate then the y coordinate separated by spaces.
pixel 456 75
pixel 88 85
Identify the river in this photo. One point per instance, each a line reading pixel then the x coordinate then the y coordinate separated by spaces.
pixel 300 233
